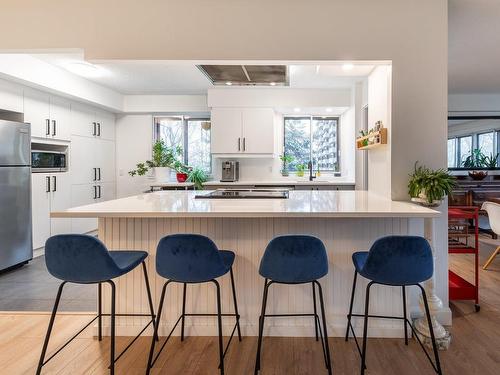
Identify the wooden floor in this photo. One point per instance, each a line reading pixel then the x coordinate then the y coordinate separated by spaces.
pixel 475 347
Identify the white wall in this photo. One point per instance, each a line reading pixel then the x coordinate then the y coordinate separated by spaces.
pixel 473 103
pixel 379 109
pixel 164 103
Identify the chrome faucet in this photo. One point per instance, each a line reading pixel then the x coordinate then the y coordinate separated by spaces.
pixel 310 166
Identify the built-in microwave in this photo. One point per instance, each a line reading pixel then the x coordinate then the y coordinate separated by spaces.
pixel 48 161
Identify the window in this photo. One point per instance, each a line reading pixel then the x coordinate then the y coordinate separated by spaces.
pixel 464 148
pixel 452 152
pixel 192 134
pixel 486 142
pixel 312 138
pixel 461 147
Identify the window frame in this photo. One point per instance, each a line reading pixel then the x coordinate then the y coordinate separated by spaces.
pixel 337 139
pixel 475 139
pixel 185 119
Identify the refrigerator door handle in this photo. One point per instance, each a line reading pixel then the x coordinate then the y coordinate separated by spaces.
pixel 47 184
pixel 47 126
pixel 54 182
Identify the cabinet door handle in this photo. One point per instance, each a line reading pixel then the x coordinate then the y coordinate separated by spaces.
pixel 99 178
pixel 95 174
pixel 95 192
pixel 53 127
pixel 244 144
pixel 239 144
pixel 47 127
pixel 94 131
pixel 54 181
pixel 99 191
pixel 47 184
pixel 98 129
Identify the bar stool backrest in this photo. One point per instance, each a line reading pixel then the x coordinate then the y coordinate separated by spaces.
pixel 493 210
pixel 79 258
pixel 399 260
pixel 188 258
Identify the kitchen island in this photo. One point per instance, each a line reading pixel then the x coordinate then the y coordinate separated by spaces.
pixel 346 221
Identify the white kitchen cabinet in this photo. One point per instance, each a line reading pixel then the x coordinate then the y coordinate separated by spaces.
pixel 82 195
pixel 60 119
pixel 105 126
pixel 105 160
pixel 40 198
pixel 11 97
pixel 226 131
pixel 88 122
pixel 246 132
pixel 258 131
pixel 92 160
pixel 105 191
pixel 49 192
pixel 37 112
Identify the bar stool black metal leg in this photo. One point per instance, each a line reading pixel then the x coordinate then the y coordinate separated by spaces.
pixel 431 330
pixel 49 329
pixel 183 310
pixel 405 315
pixel 219 319
pixel 148 290
pixel 350 306
pixel 315 311
pixel 235 304
pixel 156 327
pixel 325 330
pixel 113 316
pixel 365 328
pixel 99 310
pixel 261 326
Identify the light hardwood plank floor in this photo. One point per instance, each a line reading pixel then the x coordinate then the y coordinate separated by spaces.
pixel 474 349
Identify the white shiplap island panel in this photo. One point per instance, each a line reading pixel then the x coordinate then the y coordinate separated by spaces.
pixel 345 221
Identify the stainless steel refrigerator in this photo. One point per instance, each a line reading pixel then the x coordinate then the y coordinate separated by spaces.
pixel 15 194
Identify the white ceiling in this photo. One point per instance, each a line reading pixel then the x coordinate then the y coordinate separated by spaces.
pixel 184 78
pixel 474 46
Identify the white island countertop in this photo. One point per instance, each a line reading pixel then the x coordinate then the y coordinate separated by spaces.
pixel 281 182
pixel 176 204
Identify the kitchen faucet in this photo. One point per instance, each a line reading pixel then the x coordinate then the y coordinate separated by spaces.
pixel 310 166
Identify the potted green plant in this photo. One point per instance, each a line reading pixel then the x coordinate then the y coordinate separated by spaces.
pixel 198 177
pixel 300 169
pixel 163 161
pixel 492 161
pixel 286 159
pixel 476 160
pixel 429 187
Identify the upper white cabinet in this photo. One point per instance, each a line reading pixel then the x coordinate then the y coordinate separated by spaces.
pixel 247 131
pixel 90 123
pixel 49 116
pixel 11 97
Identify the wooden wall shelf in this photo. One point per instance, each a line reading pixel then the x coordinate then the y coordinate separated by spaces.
pixel 382 140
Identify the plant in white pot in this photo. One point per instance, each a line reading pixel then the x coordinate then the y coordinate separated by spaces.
pixel 164 160
pixel 429 187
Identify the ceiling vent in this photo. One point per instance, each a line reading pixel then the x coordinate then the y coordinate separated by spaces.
pixel 246 75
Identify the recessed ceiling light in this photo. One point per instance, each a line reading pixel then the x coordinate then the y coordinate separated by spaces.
pixel 348 66
pixel 296 109
pixel 229 83
pixel 329 110
pixel 84 69
pixel 272 83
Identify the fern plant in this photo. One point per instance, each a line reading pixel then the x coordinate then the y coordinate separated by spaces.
pixel 433 185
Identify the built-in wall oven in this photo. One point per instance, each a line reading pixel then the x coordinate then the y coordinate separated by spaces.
pixel 48 161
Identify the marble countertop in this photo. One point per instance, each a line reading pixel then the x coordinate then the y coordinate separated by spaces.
pixel 178 204
pixel 281 182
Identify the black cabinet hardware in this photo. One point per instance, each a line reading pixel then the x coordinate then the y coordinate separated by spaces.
pixel 239 144
pixel 98 129
pixel 95 192
pixel 54 183
pixel 47 184
pixel 47 127
pixel 95 174
pixel 94 131
pixel 99 178
pixel 53 127
pixel 244 144
pixel 99 191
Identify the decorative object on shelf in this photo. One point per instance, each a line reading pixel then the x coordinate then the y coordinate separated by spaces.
pixel 206 125
pixel 428 187
pixel 318 172
pixel 181 176
pixel 300 169
pixel 372 138
pixel 286 159
pixel 476 161
pixel 163 161
pixel 198 177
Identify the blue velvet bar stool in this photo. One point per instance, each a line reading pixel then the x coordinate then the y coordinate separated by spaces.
pixel 293 260
pixel 83 259
pixel 394 261
pixel 193 259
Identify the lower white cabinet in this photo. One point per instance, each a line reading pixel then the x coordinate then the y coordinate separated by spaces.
pixel 50 192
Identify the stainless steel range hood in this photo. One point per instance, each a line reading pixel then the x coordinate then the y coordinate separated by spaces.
pixel 246 75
